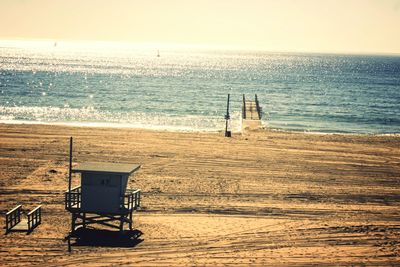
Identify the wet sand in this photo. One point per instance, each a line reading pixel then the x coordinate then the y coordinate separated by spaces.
pixel 264 198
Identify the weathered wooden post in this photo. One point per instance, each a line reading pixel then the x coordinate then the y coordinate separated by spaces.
pixel 70 165
pixel 69 243
pixel 258 107
pixel 227 118
pixel 244 108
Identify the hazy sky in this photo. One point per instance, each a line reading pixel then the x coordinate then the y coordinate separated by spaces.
pixel 350 26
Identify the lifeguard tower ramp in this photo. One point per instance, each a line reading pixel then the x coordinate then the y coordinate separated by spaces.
pixel 251 114
pixel 14 222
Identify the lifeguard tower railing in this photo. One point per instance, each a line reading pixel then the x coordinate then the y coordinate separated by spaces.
pixel 247 107
pixel 129 202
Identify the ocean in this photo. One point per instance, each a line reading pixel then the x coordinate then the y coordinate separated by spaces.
pixel 186 88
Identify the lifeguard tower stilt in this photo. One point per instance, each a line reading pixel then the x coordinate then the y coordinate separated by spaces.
pixel 103 197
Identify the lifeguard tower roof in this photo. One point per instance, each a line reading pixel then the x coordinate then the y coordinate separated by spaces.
pixel 106 167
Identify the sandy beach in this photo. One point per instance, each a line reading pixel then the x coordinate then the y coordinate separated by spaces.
pixel 265 198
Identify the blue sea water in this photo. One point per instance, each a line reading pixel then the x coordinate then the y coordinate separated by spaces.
pixel 124 85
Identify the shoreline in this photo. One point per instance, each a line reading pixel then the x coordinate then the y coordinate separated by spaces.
pixel 172 129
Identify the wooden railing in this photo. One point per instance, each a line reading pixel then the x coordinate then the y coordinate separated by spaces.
pixel 34 218
pixel 73 198
pixel 244 108
pixel 13 217
pixel 258 107
pixel 132 199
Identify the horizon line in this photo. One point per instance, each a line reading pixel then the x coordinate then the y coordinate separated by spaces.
pixel 229 47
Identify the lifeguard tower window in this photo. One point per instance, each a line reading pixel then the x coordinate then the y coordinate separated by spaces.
pixel 101 180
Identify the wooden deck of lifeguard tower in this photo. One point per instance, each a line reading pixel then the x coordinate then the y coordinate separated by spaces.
pixel 251 114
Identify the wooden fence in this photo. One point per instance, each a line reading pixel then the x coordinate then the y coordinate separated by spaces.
pixel 13 217
pixel 34 218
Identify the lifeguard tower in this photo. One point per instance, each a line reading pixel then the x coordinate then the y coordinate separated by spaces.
pixel 103 196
